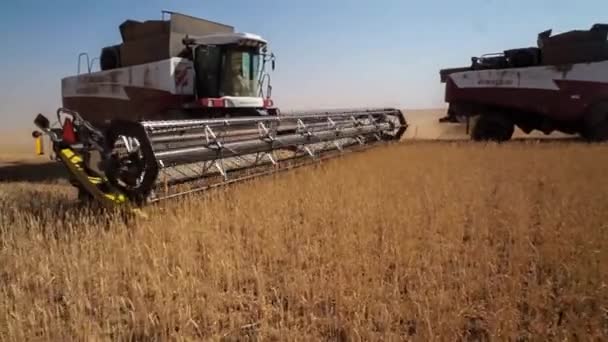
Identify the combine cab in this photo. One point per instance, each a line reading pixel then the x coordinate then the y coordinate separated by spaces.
pixel 561 85
pixel 185 104
pixel 181 68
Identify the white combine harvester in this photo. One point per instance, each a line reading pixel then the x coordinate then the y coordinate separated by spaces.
pixel 184 104
pixel 559 85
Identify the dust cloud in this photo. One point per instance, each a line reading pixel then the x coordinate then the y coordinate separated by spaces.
pixel 424 125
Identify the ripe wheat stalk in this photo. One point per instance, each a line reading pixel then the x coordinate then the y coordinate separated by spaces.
pixel 420 241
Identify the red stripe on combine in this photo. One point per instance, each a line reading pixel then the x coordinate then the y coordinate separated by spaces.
pixel 212 102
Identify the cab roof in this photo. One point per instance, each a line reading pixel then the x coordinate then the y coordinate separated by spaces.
pixel 241 38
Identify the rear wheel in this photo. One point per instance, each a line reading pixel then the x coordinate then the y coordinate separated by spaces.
pixel 595 124
pixel 493 127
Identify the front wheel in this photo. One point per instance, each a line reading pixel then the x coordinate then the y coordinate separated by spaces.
pixel 493 127
pixel 595 124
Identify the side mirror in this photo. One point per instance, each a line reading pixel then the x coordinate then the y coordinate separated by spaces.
pixel 273 65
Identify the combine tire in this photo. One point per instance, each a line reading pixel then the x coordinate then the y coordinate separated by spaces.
pixel 495 127
pixel 595 125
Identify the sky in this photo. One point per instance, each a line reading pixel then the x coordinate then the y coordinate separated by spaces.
pixel 339 53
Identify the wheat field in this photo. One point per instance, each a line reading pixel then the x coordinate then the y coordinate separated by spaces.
pixel 416 241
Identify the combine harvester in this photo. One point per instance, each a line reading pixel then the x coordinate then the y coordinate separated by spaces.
pixel 184 104
pixel 561 85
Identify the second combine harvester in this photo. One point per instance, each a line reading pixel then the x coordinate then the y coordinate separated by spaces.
pixel 560 85
pixel 184 104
